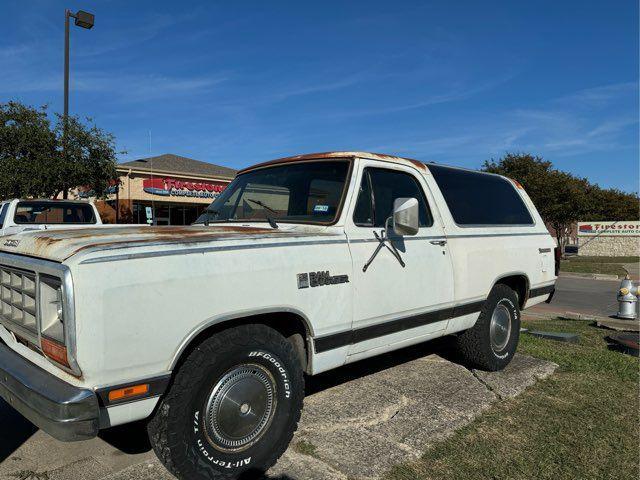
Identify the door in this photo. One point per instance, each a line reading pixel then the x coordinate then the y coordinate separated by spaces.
pixel 395 303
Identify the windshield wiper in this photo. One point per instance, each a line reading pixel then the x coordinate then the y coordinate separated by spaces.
pixel 258 202
pixel 270 219
pixel 207 212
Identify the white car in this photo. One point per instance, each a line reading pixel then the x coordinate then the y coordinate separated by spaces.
pixel 18 215
pixel 303 264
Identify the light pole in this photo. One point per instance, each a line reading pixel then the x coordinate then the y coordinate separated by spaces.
pixel 85 20
pixel 82 19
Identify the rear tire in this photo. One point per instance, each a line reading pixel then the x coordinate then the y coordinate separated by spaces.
pixel 232 408
pixel 491 343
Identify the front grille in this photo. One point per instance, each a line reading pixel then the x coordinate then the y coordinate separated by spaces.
pixel 18 298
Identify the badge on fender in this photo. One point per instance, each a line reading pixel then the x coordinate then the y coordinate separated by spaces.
pixel 319 279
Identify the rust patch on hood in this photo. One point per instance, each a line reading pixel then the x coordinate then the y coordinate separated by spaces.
pixel 61 244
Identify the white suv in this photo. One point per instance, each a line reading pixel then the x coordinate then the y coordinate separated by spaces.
pixel 303 264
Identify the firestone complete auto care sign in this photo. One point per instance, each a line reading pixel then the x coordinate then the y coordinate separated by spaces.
pixel 178 188
pixel 609 229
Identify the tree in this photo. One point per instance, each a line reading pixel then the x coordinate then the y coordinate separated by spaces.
pixel 562 199
pixel 89 159
pixel 33 162
pixel 27 151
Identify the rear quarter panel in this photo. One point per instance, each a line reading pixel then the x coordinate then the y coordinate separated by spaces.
pixel 482 255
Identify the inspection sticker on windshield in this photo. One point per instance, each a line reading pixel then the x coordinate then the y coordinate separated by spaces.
pixel 321 208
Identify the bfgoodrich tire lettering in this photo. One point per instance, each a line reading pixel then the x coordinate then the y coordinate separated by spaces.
pixel 491 343
pixel 232 408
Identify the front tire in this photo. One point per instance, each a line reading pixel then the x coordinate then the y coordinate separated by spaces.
pixel 233 406
pixel 491 343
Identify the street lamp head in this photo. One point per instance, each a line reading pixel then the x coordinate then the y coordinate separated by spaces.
pixel 84 19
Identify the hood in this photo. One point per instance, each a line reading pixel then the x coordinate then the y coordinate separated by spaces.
pixel 58 245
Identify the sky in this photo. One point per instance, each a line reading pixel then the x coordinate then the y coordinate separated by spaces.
pixel 236 83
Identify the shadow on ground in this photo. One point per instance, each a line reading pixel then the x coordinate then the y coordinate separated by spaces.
pixel 369 366
pixel 132 439
pixel 19 427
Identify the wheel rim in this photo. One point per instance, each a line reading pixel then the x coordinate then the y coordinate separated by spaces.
pixel 240 407
pixel 500 328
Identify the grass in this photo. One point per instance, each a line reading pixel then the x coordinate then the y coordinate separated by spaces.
pixel 305 448
pixel 606 265
pixel 580 423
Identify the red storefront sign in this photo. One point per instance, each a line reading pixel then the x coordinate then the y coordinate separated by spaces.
pixel 180 188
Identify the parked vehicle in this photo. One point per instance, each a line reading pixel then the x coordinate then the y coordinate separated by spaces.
pixel 19 215
pixel 302 265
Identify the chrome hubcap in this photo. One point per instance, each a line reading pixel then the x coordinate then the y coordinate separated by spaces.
pixel 240 407
pixel 500 328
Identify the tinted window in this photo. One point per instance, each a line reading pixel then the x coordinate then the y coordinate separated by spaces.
pixel 3 213
pixel 363 213
pixel 476 198
pixel 387 185
pixel 304 192
pixel 53 213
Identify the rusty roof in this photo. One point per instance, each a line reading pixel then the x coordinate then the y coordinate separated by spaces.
pixel 340 154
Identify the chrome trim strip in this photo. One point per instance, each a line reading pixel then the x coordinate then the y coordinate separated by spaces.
pixel 516 234
pixel 166 253
pixel 187 251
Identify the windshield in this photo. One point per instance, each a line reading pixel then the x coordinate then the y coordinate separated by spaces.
pixel 53 213
pixel 309 192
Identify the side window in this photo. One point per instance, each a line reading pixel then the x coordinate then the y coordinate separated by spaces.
pixel 363 213
pixel 476 198
pixel 3 213
pixel 379 189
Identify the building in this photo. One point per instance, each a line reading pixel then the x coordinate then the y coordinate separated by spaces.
pixel 164 190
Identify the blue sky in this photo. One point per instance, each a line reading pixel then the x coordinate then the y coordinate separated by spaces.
pixel 235 83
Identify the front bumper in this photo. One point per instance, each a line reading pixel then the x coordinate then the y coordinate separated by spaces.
pixel 65 412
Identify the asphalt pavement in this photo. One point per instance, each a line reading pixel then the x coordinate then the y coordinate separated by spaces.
pixel 582 295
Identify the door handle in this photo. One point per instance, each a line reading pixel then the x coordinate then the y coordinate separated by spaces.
pixel 442 243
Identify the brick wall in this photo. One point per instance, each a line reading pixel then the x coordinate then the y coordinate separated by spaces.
pixel 610 246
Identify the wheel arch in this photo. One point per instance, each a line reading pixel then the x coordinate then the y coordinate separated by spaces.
pixel 518 282
pixel 290 322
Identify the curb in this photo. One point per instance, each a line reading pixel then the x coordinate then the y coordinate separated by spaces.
pixel 580 316
pixel 592 276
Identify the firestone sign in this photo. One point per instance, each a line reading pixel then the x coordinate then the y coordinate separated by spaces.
pixel 177 188
pixel 609 229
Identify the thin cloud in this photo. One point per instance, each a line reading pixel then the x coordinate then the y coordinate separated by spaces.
pixel 447 97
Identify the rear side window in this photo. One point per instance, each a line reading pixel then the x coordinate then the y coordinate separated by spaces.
pixel 379 189
pixel 476 198
pixel 53 213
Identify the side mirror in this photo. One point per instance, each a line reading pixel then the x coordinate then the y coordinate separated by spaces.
pixel 406 216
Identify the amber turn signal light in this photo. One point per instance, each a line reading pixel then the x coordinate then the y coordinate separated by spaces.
pixel 128 392
pixel 55 351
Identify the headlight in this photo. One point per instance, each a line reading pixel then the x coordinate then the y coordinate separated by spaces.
pixel 51 311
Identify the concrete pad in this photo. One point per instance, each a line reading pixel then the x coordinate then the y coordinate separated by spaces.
pixel 360 428
pixel 619 324
pixel 296 466
pixel 522 372
pixel 152 470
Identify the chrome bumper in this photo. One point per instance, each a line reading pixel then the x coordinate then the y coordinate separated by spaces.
pixel 65 412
